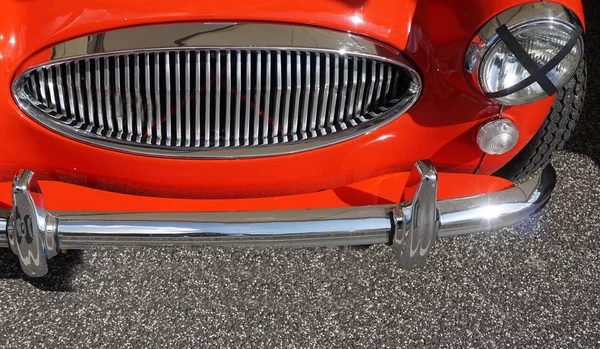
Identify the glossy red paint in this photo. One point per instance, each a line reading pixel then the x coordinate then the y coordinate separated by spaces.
pixel 434 34
pixel 386 189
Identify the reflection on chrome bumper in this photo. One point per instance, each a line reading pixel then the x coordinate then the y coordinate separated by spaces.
pixel 412 227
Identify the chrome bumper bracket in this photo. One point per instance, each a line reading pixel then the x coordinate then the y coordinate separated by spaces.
pixel 31 230
pixel 417 221
pixel 412 227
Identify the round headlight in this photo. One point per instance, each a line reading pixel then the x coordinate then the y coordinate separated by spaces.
pixel 540 32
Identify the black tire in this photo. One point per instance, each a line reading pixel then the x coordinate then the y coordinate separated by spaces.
pixel 555 131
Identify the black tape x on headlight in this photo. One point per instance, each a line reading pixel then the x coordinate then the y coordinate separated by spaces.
pixel 525 53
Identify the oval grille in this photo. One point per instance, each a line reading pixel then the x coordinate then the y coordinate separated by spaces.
pixel 172 101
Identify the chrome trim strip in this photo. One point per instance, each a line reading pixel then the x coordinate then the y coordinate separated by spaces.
pixel 227 36
pixel 219 35
pixel 337 226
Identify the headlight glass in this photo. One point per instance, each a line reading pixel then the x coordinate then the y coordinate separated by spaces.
pixel 538 33
pixel 500 69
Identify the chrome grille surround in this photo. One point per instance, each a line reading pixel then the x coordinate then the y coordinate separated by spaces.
pixel 317 87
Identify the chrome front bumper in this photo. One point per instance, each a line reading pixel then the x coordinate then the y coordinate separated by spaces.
pixel 36 235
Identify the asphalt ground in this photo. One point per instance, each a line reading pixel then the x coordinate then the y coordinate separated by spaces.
pixel 534 284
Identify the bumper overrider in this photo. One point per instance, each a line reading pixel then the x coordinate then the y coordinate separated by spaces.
pixel 36 235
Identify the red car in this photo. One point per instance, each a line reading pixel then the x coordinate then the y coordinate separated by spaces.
pixel 324 122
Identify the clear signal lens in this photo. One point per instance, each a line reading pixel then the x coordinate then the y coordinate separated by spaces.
pixel 497 136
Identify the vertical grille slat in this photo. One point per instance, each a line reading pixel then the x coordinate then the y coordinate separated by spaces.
pixel 177 99
pixel 107 96
pixel 149 106
pixel 207 97
pixel 50 84
pixel 257 97
pixel 325 101
pixel 139 116
pixel 34 87
pixel 88 92
pixel 369 95
pixel 197 126
pixel 60 87
pixel 306 92
pixel 217 128
pixel 279 87
pixel 71 94
pixel 380 68
pixel 80 101
pixel 288 95
pixel 341 115
pixel 128 99
pixel 333 96
pixel 188 116
pixel 388 83
pixel 238 97
pixel 316 91
pixel 42 84
pixel 361 89
pixel 157 99
pixel 297 90
pixel 118 99
pixel 217 98
pixel 350 114
pixel 168 111
pixel 268 83
pixel 247 98
pixel 228 99
pixel 98 97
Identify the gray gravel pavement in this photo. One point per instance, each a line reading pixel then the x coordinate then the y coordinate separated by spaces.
pixel 535 284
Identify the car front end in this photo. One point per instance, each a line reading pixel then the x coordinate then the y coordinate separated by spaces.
pixel 288 123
